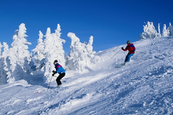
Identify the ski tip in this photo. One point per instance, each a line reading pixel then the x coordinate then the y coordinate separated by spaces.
pixel 39 92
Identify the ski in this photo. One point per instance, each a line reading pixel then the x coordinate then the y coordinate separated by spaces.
pixel 118 66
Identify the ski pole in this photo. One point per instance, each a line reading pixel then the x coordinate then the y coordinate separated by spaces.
pixel 49 83
pixel 115 54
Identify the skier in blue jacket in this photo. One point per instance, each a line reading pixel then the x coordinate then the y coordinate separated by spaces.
pixel 60 70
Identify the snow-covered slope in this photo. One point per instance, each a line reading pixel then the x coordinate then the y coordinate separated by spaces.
pixel 144 86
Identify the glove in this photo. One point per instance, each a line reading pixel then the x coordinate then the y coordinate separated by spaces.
pixel 54 72
pixel 122 48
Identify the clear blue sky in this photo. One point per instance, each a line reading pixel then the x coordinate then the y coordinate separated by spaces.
pixel 110 22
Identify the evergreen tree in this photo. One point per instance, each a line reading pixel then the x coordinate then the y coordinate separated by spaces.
pixel 170 29
pixel 39 53
pixel 159 33
pixel 81 54
pixel 59 52
pixel 149 31
pixel 53 45
pixel 0 48
pixel 3 64
pixel 166 31
pixel 19 57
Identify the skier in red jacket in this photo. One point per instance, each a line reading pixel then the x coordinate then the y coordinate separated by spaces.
pixel 131 48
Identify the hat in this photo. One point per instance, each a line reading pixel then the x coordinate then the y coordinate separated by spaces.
pixel 128 42
pixel 55 61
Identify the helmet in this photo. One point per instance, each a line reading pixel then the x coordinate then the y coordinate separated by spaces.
pixel 128 42
pixel 55 61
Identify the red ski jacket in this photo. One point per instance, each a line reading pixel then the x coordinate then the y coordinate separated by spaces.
pixel 131 48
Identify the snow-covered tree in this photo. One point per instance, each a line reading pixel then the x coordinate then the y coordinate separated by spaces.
pixel 159 33
pixel 170 29
pixel 0 48
pixel 39 53
pixel 58 50
pixel 53 49
pixel 19 57
pixel 149 31
pixel 165 32
pixel 3 64
pixel 89 45
pixel 81 54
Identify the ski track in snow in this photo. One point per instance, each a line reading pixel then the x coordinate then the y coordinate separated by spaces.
pixel 143 87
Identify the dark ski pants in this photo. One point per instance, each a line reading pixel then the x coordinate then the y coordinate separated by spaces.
pixel 61 75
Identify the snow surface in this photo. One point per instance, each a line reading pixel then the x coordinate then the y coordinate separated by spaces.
pixel 143 87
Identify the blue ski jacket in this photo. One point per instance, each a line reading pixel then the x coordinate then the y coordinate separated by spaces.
pixel 59 68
